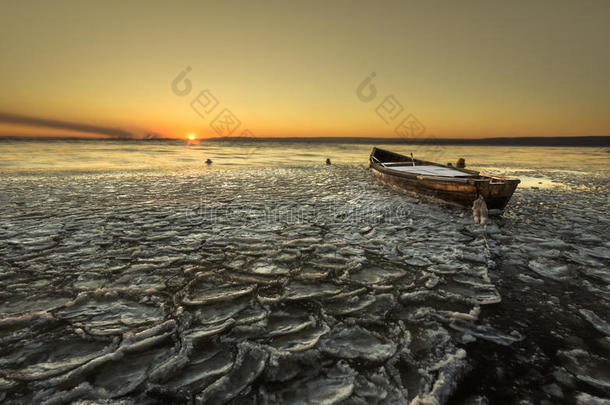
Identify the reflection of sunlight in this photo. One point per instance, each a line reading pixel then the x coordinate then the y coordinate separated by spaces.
pixel 538 182
pixel 561 164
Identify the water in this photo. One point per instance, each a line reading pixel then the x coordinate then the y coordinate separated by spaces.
pixel 131 272
pixel 112 155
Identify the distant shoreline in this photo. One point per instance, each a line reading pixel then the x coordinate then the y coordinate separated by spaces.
pixel 521 141
pixel 574 141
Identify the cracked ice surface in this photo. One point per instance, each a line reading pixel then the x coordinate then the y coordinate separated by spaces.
pixel 291 285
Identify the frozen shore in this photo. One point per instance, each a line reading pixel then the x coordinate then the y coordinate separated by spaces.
pixel 298 285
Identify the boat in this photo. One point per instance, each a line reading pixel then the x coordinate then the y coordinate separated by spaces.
pixel 455 185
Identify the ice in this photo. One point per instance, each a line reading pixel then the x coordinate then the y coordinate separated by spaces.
pixel 6 384
pixel 449 369
pixel 209 330
pixel 288 321
pixel 300 339
pixel 553 390
pixel 84 390
pixel 41 303
pixel 300 291
pixel 588 368
pixel 530 280
pixel 582 398
pixel 217 293
pixel 65 356
pixel 200 368
pixel 350 305
pixel 249 363
pixel 103 316
pixel 377 388
pixel 357 343
pixel 487 332
pixel 376 275
pixel 549 269
pixel 298 285
pixel 598 323
pixel 221 311
pixel 263 267
pixel 600 252
pixel 333 387
pixel 126 374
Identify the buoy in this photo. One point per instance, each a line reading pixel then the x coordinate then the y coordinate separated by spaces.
pixel 328 161
pixel 208 162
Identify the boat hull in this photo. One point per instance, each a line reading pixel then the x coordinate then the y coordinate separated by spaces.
pixel 461 191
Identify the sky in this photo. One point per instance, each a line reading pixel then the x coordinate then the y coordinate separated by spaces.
pixel 443 69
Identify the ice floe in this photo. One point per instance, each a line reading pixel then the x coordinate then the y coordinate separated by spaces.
pixel 289 285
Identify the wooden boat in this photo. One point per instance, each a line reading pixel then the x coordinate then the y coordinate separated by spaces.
pixel 451 184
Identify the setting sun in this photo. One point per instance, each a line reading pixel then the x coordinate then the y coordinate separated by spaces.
pixel 191 137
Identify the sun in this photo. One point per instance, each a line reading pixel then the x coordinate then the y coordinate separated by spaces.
pixel 191 137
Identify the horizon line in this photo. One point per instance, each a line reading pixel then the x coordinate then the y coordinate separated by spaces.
pixel 586 140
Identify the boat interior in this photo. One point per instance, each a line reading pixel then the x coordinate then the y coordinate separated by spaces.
pixel 406 164
pixel 425 170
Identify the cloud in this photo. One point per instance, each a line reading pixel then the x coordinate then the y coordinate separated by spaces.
pixel 7 118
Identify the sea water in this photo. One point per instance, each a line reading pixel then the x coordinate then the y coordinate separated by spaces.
pixel 131 272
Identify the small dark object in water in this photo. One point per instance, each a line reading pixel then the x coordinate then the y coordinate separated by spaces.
pixel 328 161
pixel 450 164
pixel 208 162
pixel 461 163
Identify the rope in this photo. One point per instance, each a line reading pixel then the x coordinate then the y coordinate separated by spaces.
pixel 486 241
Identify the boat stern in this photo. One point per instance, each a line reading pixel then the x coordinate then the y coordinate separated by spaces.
pixel 497 191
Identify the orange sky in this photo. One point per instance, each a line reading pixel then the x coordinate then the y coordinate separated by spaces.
pixel 462 69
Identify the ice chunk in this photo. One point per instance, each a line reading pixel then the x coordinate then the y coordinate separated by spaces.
pixel 217 293
pixel 357 343
pixel 449 371
pixel 59 357
pixel 104 316
pixel 530 280
pixel 220 311
pixel 299 291
pixel 202 366
pixel 350 305
pixel 301 339
pixel 332 387
pixel 249 363
pixel 487 332
pixel 588 368
pixel 208 330
pixel 582 398
pixel 597 322
pixel 376 275
pixel 549 268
